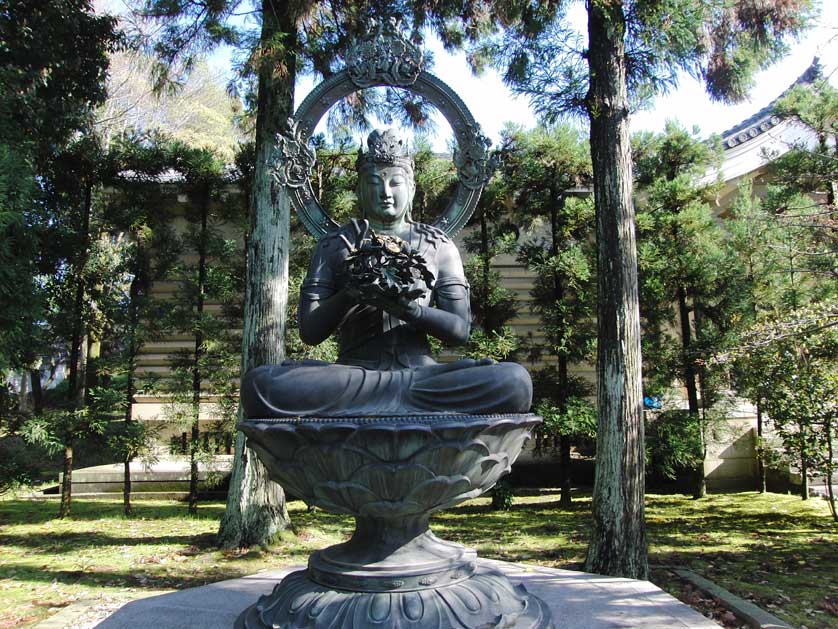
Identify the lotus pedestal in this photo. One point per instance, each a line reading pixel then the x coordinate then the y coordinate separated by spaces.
pixel 392 474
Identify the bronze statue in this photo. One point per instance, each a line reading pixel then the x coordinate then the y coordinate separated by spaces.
pixel 385 365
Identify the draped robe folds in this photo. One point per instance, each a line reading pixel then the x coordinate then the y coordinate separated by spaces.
pixel 384 364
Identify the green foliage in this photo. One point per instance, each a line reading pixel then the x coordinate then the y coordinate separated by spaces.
pixel 20 294
pixel 691 291
pixel 673 443
pixel 788 365
pixel 311 39
pixel 578 419
pixel 783 355
pixel 540 169
pixel 135 440
pixel 201 114
pixel 53 66
pixel 497 344
pixel 53 63
pixel 20 463
pixel 55 428
pixel 684 268
pixel 542 57
pixel 436 183
pixel 503 496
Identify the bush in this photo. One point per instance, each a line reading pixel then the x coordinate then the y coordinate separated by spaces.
pixel 502 496
pixel 20 463
pixel 673 443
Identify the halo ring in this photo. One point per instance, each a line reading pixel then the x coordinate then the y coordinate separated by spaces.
pixel 471 158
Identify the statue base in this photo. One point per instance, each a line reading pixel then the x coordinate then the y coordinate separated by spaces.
pixel 392 474
pixel 485 599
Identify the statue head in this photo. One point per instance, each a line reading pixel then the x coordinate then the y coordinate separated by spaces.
pixel 385 179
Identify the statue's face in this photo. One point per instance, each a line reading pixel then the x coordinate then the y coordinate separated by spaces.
pixel 385 193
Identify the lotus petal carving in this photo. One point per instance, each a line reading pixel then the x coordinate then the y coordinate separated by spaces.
pixel 391 466
pixel 488 599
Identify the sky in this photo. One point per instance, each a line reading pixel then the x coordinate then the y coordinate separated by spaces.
pixel 492 104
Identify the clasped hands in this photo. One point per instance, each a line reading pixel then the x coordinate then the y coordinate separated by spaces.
pixel 373 295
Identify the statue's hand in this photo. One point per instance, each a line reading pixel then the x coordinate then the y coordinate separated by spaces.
pixel 372 295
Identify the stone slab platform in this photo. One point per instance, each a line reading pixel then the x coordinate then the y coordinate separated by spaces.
pixel 576 599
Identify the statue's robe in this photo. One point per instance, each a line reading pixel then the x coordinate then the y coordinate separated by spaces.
pixel 384 365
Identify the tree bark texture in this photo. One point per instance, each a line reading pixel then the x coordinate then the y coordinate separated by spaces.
pixel 75 380
pixel 256 505
pixel 134 321
pixel 557 203
pixel 761 471
pixel 618 539
pixel 67 481
pixel 37 390
pixel 686 348
pixel 197 376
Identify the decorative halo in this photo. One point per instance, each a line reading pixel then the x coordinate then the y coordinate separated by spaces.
pixel 386 58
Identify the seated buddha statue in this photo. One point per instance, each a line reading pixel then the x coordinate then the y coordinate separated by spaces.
pixel 384 365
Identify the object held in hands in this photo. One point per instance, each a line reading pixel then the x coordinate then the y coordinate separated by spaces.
pixel 386 266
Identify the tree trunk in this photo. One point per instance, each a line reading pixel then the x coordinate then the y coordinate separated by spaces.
pixel 700 413
pixel 94 352
pixel 91 371
pixel 77 400
pixel 76 391
pixel 67 481
pixel 564 471
pixel 760 450
pixel 830 469
pixel 133 318
pixel 23 393
pixel 564 440
pixel 618 539
pixel 804 476
pixel 686 346
pixel 256 509
pixel 556 203
pixel 75 382
pixel 194 441
pixel 37 390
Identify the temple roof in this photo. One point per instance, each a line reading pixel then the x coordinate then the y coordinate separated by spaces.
pixel 765 119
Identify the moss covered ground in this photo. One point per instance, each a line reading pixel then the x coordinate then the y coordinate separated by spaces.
pixel 776 550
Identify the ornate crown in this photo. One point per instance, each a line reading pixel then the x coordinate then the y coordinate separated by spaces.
pixel 386 147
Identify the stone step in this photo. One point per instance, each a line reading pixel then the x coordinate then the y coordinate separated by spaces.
pixel 168 475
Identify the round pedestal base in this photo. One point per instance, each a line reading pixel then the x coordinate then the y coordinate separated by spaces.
pixel 486 599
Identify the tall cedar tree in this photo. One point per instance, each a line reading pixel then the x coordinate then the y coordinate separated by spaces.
pixel 544 170
pixel 294 36
pixel 632 51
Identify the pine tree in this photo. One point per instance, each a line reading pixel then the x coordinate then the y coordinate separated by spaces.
pixel 686 276
pixel 543 170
